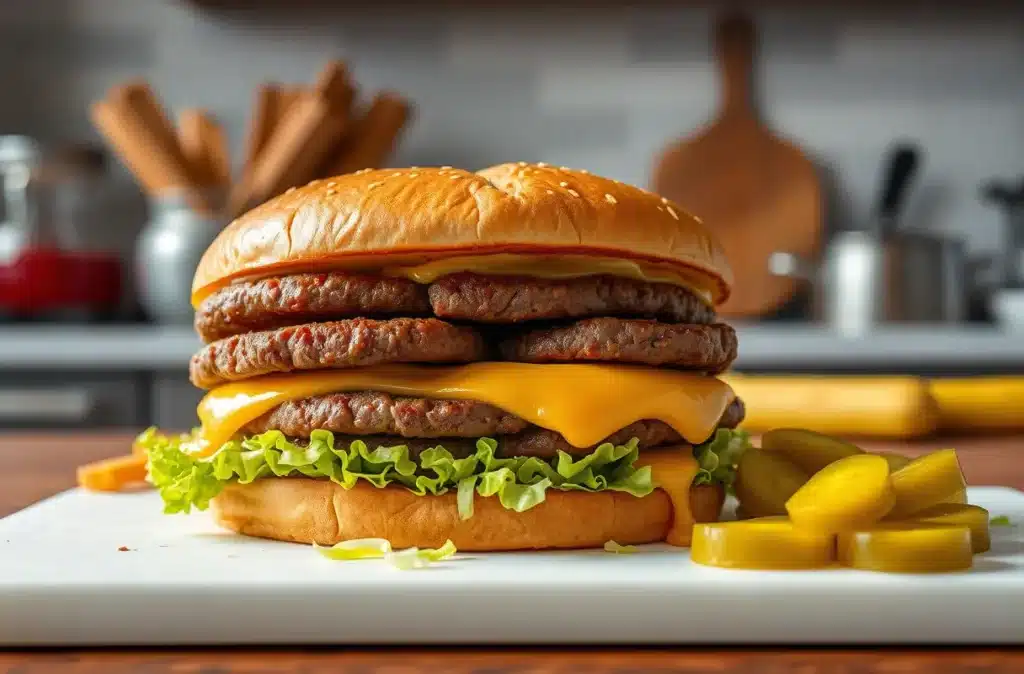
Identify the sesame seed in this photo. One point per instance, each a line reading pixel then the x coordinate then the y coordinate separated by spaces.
pixel 549 191
pixel 522 163
pixel 396 174
pixel 564 168
pixel 333 183
pixel 563 184
pixel 414 175
pixel 672 212
pixel 446 168
pixel 574 193
pixel 289 190
pixel 542 164
pixel 372 185
pixel 585 172
pixel 414 168
pixel 453 177
pixel 661 208
pixel 331 192
pixel 664 200
pixel 610 199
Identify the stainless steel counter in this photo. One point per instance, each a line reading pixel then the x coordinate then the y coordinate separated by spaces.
pixel 761 347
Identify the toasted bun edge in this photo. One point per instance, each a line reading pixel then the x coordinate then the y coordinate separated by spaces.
pixel 308 511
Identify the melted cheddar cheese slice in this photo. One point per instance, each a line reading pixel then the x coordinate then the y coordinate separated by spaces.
pixel 585 403
pixel 550 267
pixel 673 473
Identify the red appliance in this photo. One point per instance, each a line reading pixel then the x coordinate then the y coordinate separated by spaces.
pixel 44 271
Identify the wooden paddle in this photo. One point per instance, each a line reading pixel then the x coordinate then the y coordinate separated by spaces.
pixel 755 190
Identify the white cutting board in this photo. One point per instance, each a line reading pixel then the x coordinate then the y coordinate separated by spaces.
pixel 64 581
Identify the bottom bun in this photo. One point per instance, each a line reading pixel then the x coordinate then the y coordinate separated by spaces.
pixel 318 511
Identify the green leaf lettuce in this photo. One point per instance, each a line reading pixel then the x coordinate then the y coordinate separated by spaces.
pixel 185 480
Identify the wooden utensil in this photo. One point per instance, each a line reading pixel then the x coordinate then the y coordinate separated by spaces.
pixel 202 140
pixel 266 114
pixel 311 127
pixel 373 135
pixel 757 192
pixel 138 97
pixel 153 156
pixel 884 406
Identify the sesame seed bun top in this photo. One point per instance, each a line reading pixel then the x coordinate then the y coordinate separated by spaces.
pixel 393 217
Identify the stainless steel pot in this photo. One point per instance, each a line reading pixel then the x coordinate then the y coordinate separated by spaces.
pixel 864 281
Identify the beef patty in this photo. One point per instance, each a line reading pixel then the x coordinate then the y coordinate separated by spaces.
pixel 339 344
pixel 272 303
pixel 507 299
pixel 710 348
pixel 373 413
pixel 380 417
pixel 300 298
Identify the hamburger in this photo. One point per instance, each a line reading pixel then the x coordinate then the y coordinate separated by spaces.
pixel 518 358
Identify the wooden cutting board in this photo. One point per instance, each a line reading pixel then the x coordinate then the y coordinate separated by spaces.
pixel 758 192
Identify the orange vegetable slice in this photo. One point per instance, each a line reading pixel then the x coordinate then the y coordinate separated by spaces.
pixel 113 474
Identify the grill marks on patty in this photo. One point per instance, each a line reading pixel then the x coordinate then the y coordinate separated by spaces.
pixel 356 342
pixel 382 420
pixel 706 348
pixel 278 302
pixel 300 298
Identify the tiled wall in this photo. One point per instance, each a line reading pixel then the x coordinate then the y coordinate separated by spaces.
pixel 602 89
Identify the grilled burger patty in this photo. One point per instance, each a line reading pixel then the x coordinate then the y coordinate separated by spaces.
pixel 373 413
pixel 535 441
pixel 512 299
pixel 301 298
pixel 373 416
pixel 355 342
pixel 707 348
pixel 272 303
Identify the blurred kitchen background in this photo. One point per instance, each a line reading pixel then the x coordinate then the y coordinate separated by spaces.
pixel 898 190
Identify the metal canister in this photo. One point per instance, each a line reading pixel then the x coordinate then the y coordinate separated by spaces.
pixel 167 253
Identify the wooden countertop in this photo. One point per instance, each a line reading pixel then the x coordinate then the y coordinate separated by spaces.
pixel 37 466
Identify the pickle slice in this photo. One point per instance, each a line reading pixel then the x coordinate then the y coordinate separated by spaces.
pixel 896 461
pixel 765 481
pixel 921 549
pixel 770 543
pixel 808 450
pixel 926 481
pixel 959 498
pixel 973 517
pixel 850 494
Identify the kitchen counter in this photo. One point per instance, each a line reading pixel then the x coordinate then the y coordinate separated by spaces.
pixel 800 346
pixel 38 465
pixel 774 346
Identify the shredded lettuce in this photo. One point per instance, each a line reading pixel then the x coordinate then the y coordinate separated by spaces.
pixel 186 481
pixel 380 548
pixel 717 458
pixel 414 558
pixel 357 548
pixel 1000 521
